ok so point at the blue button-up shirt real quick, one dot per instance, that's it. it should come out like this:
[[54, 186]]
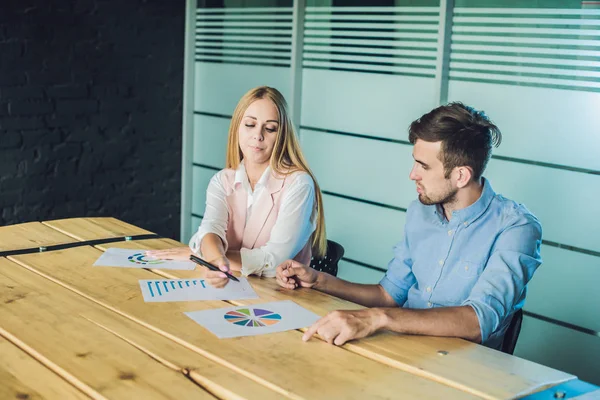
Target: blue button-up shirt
[[483, 257]]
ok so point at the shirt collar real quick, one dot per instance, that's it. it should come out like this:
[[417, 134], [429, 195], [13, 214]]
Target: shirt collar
[[469, 214], [241, 177]]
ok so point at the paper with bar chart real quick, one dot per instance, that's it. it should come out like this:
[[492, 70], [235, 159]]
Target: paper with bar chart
[[258, 319], [127, 258], [164, 290]]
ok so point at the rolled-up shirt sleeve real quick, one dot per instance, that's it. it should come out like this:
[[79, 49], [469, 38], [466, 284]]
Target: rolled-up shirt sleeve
[[292, 230], [502, 284], [216, 215], [399, 278]]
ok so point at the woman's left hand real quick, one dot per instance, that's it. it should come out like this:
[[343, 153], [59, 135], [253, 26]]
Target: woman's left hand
[[177, 253]]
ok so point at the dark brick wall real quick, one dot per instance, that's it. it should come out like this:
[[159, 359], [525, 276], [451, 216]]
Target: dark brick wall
[[90, 110]]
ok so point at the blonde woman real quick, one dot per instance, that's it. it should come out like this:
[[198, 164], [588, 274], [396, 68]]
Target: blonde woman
[[265, 206]]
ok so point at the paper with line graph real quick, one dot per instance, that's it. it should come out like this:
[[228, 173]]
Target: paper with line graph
[[162, 290], [127, 258], [257, 319]]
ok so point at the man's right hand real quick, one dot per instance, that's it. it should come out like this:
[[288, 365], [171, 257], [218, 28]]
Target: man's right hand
[[291, 275]]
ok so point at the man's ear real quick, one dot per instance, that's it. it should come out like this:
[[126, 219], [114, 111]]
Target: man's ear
[[464, 175]]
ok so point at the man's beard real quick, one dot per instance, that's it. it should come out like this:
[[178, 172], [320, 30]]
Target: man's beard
[[448, 196]]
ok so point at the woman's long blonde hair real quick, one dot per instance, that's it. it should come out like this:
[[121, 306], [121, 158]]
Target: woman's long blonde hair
[[287, 156]]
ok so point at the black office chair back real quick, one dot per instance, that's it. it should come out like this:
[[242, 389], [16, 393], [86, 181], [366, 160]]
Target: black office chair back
[[512, 333], [329, 263]]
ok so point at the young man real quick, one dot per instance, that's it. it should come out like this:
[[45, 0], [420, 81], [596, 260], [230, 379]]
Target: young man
[[467, 254]]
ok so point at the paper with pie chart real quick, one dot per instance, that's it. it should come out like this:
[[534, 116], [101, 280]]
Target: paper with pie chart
[[257, 319], [128, 258]]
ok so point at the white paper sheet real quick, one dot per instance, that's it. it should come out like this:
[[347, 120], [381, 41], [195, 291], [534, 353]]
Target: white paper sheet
[[258, 319], [127, 258], [163, 290]]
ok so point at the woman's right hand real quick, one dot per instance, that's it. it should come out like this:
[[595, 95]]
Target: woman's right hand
[[214, 278]]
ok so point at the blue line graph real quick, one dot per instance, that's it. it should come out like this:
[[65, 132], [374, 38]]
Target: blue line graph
[[154, 287]]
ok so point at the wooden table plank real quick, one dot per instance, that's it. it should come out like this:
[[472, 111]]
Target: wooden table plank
[[84, 229], [52, 320], [23, 377], [280, 361], [30, 235], [210, 375]]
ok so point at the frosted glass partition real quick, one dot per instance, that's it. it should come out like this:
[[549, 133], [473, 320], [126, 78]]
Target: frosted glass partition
[[363, 73]]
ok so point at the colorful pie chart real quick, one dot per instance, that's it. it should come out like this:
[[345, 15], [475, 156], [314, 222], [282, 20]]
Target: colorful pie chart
[[139, 258], [252, 317]]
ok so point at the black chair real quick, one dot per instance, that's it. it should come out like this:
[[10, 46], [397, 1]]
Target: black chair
[[329, 263], [512, 333]]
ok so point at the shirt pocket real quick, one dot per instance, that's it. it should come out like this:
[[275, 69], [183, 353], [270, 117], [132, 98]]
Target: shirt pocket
[[456, 286], [467, 269]]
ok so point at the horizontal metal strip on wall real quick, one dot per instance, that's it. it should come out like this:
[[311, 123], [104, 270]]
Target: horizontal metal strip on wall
[[264, 18], [542, 42], [380, 27], [243, 39], [265, 55], [411, 46], [245, 24], [524, 80], [562, 323], [500, 81], [242, 10], [526, 21], [210, 114], [395, 34], [476, 52], [525, 11], [226, 48], [490, 30], [527, 60], [245, 31], [525, 30], [580, 73], [371, 52], [372, 69], [370, 18], [371, 42], [241, 61], [376, 59], [242, 45], [365, 265], [369, 10], [195, 164], [373, 203]]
